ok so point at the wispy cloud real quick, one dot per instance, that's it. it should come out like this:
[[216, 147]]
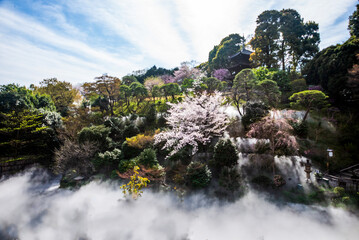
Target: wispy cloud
[[33, 52], [77, 40]]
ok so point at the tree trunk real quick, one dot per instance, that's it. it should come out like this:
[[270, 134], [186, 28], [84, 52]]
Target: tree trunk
[[306, 115], [283, 56]]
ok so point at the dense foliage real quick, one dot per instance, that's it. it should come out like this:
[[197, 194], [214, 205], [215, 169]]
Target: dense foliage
[[177, 127], [282, 38]]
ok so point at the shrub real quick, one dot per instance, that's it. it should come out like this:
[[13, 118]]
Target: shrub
[[151, 117], [97, 134], [183, 156], [198, 175], [253, 113], [300, 128], [148, 158], [141, 141], [125, 165], [339, 191], [262, 147], [262, 181], [130, 130], [133, 117], [298, 85], [74, 156], [229, 179], [225, 154], [128, 151], [109, 158], [135, 185]]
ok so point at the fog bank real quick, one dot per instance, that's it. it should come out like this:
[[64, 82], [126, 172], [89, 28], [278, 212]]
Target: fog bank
[[32, 207]]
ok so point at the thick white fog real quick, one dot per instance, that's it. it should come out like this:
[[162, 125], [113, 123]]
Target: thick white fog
[[31, 207]]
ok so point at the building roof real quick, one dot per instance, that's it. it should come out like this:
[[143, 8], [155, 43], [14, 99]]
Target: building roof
[[243, 52]]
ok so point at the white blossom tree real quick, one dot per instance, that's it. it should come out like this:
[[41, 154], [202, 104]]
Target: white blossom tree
[[186, 72], [194, 121]]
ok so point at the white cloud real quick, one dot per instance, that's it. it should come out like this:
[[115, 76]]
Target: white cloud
[[147, 25], [142, 32], [31, 50]]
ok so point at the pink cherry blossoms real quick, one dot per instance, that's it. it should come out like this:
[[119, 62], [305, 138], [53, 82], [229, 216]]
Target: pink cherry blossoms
[[277, 131], [186, 72], [193, 121], [221, 74]]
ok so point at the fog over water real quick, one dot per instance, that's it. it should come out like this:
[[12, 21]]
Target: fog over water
[[32, 207]]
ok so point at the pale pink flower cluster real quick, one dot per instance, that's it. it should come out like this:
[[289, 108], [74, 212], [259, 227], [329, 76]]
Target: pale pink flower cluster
[[221, 74], [193, 121], [186, 72], [277, 131]]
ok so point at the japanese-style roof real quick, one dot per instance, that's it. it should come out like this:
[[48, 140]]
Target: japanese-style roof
[[243, 52]]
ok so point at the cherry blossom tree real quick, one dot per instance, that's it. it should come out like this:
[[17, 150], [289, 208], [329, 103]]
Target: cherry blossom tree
[[186, 72], [150, 82], [192, 122], [167, 78], [221, 74], [277, 131]]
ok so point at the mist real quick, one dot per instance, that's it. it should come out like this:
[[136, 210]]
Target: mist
[[32, 207]]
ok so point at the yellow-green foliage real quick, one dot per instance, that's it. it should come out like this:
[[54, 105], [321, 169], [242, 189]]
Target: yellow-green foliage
[[141, 141], [135, 184]]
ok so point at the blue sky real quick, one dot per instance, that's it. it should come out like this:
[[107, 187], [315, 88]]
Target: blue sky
[[77, 40]]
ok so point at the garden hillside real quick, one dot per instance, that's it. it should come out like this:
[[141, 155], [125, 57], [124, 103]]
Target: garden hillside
[[258, 113]]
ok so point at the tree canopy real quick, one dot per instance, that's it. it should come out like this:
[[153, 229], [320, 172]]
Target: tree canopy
[[282, 37], [353, 25], [309, 100], [62, 93], [218, 56]]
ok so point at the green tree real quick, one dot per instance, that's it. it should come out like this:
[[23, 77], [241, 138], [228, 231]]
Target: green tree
[[156, 91], [96, 134], [329, 69], [299, 40], [243, 88], [148, 158], [151, 82], [170, 89], [108, 160], [254, 112], [268, 92], [225, 154], [265, 40], [218, 56], [282, 36], [298, 85], [62, 93], [16, 98], [353, 25], [309, 100], [125, 95], [128, 80], [105, 86], [187, 85], [212, 83], [26, 132], [198, 175], [139, 91]]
